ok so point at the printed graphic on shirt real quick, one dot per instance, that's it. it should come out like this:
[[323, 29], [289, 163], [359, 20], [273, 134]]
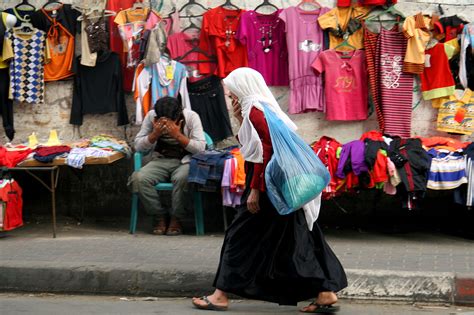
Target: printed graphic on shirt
[[345, 84], [391, 70], [58, 48], [309, 46], [456, 117]]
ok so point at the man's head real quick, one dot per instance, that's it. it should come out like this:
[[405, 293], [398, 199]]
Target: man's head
[[169, 107]]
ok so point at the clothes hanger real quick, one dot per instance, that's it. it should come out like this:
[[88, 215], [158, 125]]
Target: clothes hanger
[[192, 25], [266, 3], [57, 5], [210, 58], [345, 43], [314, 3], [23, 4], [25, 28], [390, 10], [191, 3], [229, 4], [100, 13]]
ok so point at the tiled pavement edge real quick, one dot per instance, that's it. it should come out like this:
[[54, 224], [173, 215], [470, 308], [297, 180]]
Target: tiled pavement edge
[[413, 267]]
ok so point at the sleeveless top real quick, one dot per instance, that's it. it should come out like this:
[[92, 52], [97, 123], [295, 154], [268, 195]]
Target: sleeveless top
[[97, 35]]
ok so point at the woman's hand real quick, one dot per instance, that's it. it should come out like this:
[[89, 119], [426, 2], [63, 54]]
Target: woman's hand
[[253, 201], [237, 109]]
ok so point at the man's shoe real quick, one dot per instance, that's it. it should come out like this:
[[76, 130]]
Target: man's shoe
[[160, 227], [174, 227]]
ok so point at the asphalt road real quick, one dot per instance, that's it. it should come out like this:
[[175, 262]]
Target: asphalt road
[[84, 305]]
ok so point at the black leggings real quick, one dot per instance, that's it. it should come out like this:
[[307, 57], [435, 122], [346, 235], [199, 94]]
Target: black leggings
[[6, 104]]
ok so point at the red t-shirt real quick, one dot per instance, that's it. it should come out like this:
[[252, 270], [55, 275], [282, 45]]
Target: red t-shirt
[[230, 53]]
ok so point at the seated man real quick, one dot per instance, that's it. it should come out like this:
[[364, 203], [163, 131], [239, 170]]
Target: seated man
[[171, 134]]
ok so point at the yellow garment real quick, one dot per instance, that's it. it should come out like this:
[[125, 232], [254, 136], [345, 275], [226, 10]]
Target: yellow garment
[[131, 15], [7, 52], [456, 113], [416, 30], [341, 16]]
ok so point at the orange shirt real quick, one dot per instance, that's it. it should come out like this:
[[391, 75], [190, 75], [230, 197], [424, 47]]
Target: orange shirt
[[60, 44], [216, 40]]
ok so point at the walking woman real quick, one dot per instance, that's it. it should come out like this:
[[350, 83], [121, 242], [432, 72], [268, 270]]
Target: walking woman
[[267, 256]]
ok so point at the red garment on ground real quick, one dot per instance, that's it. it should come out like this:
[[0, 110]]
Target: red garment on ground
[[11, 195], [326, 150], [12, 158], [260, 124], [372, 135], [45, 151]]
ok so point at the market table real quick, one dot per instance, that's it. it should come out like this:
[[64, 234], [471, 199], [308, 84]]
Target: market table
[[30, 166]]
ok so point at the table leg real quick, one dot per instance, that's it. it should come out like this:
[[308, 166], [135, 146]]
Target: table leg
[[53, 200]]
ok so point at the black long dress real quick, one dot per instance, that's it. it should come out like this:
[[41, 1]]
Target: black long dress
[[275, 258]]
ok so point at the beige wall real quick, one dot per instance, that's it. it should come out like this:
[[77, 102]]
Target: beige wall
[[55, 112]]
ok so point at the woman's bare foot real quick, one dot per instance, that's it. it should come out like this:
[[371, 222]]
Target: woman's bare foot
[[324, 298], [218, 298]]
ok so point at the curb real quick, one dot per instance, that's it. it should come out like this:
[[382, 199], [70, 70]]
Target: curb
[[437, 287]]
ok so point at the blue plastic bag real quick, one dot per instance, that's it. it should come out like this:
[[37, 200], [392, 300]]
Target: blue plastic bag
[[295, 175]]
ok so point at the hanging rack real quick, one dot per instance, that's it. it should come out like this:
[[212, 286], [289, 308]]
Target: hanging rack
[[27, 4], [314, 3], [228, 4], [50, 2], [266, 3]]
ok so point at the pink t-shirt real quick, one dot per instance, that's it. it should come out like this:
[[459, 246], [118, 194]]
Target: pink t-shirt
[[264, 36], [345, 84]]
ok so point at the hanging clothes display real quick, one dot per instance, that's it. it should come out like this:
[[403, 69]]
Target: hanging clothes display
[[344, 20], [417, 30], [180, 46], [155, 43], [346, 88], [98, 90], [142, 92], [27, 66], [6, 54], [436, 79], [208, 100], [455, 114], [131, 26], [168, 78], [304, 39], [219, 26], [264, 37], [116, 42], [60, 27], [395, 86], [466, 60], [371, 53]]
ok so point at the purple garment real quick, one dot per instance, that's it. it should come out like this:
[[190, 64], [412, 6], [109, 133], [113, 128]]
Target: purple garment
[[305, 42], [254, 32], [355, 150], [229, 198]]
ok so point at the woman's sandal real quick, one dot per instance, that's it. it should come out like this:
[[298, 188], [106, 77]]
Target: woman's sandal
[[209, 305], [322, 309]]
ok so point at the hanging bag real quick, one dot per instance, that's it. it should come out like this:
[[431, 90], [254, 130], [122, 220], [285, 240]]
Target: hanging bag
[[295, 176]]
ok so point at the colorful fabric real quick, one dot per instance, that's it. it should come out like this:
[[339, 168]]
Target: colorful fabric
[[416, 30], [304, 39], [436, 79], [395, 87], [448, 170], [11, 205], [27, 66], [264, 37], [456, 113], [164, 85], [345, 84]]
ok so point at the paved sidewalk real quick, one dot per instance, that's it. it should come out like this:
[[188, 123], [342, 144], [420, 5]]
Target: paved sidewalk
[[94, 258]]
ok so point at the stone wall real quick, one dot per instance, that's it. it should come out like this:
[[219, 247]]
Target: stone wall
[[104, 188]]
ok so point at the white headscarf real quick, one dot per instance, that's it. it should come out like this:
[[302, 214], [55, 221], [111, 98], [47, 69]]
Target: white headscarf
[[250, 87]]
